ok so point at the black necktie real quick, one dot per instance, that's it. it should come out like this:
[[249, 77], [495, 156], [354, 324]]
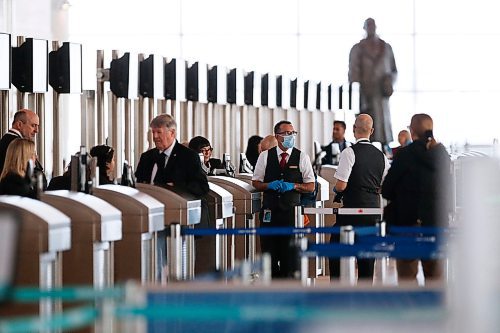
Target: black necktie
[[160, 172]]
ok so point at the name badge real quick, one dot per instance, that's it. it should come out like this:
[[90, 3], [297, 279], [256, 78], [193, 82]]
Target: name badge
[[267, 216], [293, 166]]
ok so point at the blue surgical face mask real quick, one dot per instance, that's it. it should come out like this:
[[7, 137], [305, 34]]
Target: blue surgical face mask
[[288, 141]]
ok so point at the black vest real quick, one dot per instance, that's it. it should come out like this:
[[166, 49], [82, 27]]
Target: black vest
[[292, 173], [363, 186]]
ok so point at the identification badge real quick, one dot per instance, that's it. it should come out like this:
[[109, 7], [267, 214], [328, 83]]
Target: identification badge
[[267, 216]]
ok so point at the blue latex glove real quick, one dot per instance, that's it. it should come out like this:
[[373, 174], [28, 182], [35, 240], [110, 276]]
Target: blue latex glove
[[275, 185], [286, 186]]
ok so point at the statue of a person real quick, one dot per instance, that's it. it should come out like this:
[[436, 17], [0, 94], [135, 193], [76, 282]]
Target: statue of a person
[[372, 64]]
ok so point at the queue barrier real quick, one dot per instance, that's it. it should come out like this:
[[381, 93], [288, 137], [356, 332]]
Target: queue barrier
[[347, 263]]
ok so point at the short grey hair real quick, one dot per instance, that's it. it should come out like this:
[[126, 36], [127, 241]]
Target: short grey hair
[[163, 120]]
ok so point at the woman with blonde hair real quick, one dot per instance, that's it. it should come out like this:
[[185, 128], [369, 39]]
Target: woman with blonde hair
[[12, 178]]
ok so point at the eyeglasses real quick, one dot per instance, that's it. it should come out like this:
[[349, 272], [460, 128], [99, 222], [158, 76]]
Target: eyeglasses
[[206, 150], [286, 133]]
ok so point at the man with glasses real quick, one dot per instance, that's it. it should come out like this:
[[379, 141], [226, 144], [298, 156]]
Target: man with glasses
[[357, 181], [25, 125], [282, 173]]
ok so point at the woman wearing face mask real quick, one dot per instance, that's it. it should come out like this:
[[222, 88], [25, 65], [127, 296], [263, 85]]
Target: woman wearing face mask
[[13, 177], [282, 173]]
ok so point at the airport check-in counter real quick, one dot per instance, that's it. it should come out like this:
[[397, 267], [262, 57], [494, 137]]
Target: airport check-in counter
[[136, 255], [247, 202], [95, 226], [246, 177], [44, 234], [211, 252], [182, 208]]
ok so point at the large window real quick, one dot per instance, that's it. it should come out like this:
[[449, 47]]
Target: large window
[[445, 50]]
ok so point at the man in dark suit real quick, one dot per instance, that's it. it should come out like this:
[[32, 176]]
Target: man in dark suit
[[418, 187], [338, 137], [171, 163], [25, 125]]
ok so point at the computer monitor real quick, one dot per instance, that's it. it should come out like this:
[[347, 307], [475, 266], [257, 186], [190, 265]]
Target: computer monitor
[[151, 77], [248, 87], [65, 68], [5, 61], [30, 66], [123, 76], [192, 83]]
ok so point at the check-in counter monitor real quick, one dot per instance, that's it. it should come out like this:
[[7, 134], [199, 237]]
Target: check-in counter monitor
[[220, 210], [142, 218], [247, 202], [180, 207], [44, 234], [95, 226]]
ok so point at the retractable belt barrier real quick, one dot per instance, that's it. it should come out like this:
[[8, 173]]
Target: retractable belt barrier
[[344, 211], [274, 231], [371, 242]]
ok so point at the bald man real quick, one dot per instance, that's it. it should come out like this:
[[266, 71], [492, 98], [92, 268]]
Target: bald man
[[25, 125], [418, 187], [268, 142], [358, 179]]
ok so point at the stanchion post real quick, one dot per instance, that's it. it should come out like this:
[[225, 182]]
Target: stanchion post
[[174, 252], [299, 219], [266, 268], [190, 253], [383, 262], [251, 240], [347, 265], [304, 262], [301, 271], [221, 247], [382, 228]]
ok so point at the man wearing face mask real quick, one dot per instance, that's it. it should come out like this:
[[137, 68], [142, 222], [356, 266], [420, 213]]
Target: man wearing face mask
[[358, 180], [282, 173]]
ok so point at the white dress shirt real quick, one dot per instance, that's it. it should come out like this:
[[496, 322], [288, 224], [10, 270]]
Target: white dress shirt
[[305, 165], [167, 152], [348, 158]]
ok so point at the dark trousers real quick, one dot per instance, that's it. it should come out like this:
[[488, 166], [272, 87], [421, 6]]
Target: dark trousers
[[281, 248], [365, 266]]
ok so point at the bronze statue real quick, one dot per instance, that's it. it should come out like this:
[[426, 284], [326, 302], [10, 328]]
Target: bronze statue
[[372, 64]]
